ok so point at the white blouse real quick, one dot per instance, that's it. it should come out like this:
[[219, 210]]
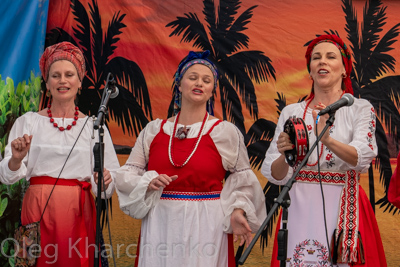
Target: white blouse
[[50, 148], [353, 125]]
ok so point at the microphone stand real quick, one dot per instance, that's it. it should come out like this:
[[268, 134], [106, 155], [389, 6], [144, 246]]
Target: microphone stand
[[284, 201], [98, 151]]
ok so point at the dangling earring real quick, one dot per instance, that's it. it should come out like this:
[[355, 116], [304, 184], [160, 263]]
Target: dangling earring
[[79, 90], [48, 93], [209, 108]]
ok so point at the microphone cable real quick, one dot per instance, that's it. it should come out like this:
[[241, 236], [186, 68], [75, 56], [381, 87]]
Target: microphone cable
[[108, 224], [322, 193]]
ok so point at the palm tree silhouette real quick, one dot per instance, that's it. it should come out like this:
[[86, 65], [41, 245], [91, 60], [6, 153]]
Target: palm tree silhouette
[[371, 81], [236, 69], [260, 136], [131, 108], [225, 41]]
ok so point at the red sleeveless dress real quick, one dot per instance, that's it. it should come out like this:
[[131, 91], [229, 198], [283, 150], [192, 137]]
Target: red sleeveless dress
[[201, 179]]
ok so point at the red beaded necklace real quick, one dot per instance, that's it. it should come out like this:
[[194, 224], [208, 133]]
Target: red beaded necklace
[[55, 123], [322, 145], [171, 142]]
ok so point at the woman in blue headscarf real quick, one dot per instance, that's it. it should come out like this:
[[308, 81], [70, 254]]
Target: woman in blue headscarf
[[174, 179]]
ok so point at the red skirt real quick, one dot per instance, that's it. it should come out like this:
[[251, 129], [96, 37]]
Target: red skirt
[[68, 225]]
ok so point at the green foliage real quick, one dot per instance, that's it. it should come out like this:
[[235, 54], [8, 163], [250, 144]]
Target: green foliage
[[14, 102]]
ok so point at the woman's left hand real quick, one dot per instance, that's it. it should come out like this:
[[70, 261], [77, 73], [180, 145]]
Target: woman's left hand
[[106, 176], [240, 227]]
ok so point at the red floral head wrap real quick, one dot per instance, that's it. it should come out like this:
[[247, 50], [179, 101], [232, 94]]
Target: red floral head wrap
[[346, 57], [62, 51]]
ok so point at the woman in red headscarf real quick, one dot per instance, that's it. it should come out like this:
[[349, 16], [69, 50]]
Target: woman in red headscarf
[[53, 150], [341, 211]]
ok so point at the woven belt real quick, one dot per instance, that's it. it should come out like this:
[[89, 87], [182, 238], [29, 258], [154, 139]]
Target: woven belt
[[190, 196]]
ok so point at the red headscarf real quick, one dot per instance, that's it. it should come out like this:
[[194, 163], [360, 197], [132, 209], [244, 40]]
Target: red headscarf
[[62, 51], [346, 57]]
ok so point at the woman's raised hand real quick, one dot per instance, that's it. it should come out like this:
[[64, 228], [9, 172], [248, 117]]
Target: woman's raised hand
[[19, 149]]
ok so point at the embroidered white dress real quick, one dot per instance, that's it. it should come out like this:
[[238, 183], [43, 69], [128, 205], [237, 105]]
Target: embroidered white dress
[[188, 226], [307, 242]]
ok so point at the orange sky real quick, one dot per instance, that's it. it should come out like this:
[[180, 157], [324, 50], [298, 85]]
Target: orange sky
[[277, 28]]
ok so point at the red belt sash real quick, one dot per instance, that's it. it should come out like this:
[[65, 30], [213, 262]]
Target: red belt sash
[[66, 182], [349, 208]]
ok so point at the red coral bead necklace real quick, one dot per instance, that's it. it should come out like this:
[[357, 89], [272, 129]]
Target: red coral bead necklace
[[304, 117], [55, 123], [322, 145]]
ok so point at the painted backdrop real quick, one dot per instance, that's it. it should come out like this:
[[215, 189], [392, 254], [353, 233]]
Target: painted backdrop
[[259, 49]]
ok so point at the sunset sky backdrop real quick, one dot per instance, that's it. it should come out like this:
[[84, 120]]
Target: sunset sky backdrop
[[278, 28]]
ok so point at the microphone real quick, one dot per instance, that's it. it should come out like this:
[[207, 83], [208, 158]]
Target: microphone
[[346, 100], [110, 91], [113, 87]]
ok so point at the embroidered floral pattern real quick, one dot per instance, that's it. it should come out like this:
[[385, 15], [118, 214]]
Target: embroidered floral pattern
[[310, 248], [331, 129], [372, 126], [299, 252], [323, 256], [330, 159]]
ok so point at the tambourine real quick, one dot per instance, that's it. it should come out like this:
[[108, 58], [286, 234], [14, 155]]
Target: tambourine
[[298, 134]]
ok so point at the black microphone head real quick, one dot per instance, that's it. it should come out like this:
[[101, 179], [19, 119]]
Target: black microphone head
[[350, 99]]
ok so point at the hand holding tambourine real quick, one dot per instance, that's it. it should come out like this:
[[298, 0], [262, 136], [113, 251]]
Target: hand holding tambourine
[[296, 129]]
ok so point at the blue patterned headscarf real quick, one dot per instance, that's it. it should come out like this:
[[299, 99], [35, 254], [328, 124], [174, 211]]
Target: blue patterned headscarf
[[192, 59]]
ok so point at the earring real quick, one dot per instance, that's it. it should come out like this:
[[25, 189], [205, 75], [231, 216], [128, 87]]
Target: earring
[[344, 75], [79, 90], [210, 107], [48, 93], [310, 77]]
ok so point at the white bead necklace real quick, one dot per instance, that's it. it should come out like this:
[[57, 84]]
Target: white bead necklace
[[195, 147]]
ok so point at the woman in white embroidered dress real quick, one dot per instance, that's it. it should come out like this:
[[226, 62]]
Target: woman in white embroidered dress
[[347, 149], [38, 147], [174, 180]]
